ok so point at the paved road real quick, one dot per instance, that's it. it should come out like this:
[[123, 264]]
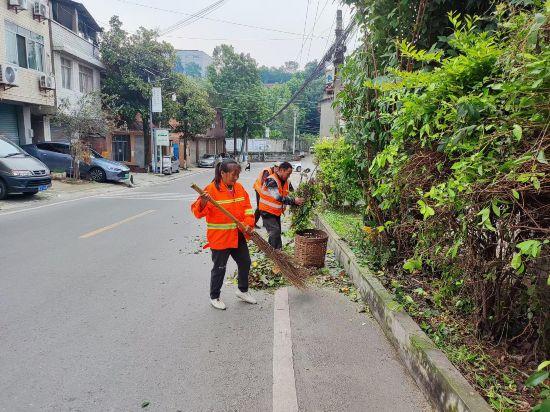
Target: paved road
[[104, 305]]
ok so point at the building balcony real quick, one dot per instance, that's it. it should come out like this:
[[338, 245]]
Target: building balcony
[[67, 41]]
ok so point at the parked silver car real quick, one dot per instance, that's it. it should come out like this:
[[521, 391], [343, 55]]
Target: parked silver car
[[57, 156], [207, 160]]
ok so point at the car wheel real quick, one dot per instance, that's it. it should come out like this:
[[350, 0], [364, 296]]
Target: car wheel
[[98, 175], [3, 190]]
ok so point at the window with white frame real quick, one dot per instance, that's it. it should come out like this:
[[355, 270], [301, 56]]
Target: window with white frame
[[24, 47], [86, 79], [66, 73]]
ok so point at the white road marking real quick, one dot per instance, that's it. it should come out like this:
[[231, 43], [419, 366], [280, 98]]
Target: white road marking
[[28, 209], [284, 384], [112, 226], [179, 199], [48, 205]]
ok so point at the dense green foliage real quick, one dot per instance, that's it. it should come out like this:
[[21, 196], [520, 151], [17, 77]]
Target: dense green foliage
[[446, 135], [137, 62], [190, 69], [236, 88], [337, 173]]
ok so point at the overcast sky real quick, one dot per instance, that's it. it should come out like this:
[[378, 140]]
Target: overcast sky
[[284, 18]]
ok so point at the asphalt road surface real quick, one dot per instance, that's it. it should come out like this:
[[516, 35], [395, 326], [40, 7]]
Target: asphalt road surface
[[104, 306]]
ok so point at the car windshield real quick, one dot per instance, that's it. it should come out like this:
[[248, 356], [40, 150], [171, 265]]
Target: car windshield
[[9, 149], [95, 154], [208, 156]]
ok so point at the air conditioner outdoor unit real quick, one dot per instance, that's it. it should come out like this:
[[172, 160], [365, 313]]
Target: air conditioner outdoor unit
[[47, 82], [19, 4], [40, 10], [8, 75]]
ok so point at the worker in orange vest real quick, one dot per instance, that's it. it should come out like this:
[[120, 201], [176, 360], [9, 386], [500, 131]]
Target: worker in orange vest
[[264, 174], [224, 238], [274, 196]]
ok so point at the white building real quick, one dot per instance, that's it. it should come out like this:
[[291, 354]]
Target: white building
[[27, 97], [76, 59]]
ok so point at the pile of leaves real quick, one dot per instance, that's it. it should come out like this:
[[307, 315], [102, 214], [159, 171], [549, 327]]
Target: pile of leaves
[[262, 275]]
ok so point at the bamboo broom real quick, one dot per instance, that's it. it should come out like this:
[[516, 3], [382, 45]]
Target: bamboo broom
[[291, 270]]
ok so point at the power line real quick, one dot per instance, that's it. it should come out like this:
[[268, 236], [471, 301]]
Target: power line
[[216, 20], [304, 33], [194, 17], [317, 17], [337, 43]]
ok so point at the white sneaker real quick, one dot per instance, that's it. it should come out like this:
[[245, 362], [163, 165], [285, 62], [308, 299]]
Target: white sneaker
[[218, 304], [246, 297]]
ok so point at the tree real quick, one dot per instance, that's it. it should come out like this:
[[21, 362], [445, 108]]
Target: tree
[[134, 63], [236, 88], [190, 69], [290, 67], [82, 118], [191, 110], [308, 101], [282, 127]]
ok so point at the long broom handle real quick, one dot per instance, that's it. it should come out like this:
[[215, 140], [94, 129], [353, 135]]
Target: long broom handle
[[222, 209]]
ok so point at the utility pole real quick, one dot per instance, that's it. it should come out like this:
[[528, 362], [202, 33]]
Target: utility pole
[[294, 134], [338, 60], [152, 138]]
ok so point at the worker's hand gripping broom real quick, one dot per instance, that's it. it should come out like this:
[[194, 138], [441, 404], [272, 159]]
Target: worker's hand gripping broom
[[293, 272]]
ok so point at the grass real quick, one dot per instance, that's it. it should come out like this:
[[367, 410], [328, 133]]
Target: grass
[[486, 365], [344, 224]]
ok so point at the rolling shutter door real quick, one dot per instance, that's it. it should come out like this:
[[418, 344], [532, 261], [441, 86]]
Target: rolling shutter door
[[8, 122]]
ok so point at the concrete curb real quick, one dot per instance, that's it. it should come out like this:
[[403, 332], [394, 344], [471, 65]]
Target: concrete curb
[[441, 382]]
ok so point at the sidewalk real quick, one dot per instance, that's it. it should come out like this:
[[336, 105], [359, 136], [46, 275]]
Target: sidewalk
[[65, 190]]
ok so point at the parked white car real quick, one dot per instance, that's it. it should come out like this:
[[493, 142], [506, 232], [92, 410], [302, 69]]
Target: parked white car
[[296, 166]]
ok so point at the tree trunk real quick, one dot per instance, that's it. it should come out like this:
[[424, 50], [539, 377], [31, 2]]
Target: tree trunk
[[235, 141], [146, 143]]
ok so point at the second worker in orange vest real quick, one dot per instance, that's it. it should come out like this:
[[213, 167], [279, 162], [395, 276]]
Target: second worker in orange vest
[[264, 174], [273, 199]]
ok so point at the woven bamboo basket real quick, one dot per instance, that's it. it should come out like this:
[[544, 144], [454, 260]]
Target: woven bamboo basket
[[311, 247]]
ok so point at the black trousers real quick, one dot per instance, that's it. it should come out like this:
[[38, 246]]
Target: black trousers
[[241, 256], [257, 211], [272, 224]]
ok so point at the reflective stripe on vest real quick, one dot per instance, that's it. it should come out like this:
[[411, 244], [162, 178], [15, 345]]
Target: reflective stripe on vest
[[228, 201], [221, 226], [270, 204]]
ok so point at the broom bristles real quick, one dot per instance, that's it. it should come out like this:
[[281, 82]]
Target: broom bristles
[[290, 269]]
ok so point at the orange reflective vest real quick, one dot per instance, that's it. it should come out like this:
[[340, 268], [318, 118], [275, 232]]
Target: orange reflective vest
[[260, 180], [221, 232], [268, 203]]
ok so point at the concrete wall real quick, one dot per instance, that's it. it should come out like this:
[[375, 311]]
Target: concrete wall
[[327, 117], [28, 95], [65, 40], [68, 45], [28, 90]]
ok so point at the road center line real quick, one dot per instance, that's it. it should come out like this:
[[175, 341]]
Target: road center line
[[284, 384], [106, 228]]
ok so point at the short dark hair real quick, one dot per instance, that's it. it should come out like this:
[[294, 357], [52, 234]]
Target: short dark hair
[[285, 166]]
